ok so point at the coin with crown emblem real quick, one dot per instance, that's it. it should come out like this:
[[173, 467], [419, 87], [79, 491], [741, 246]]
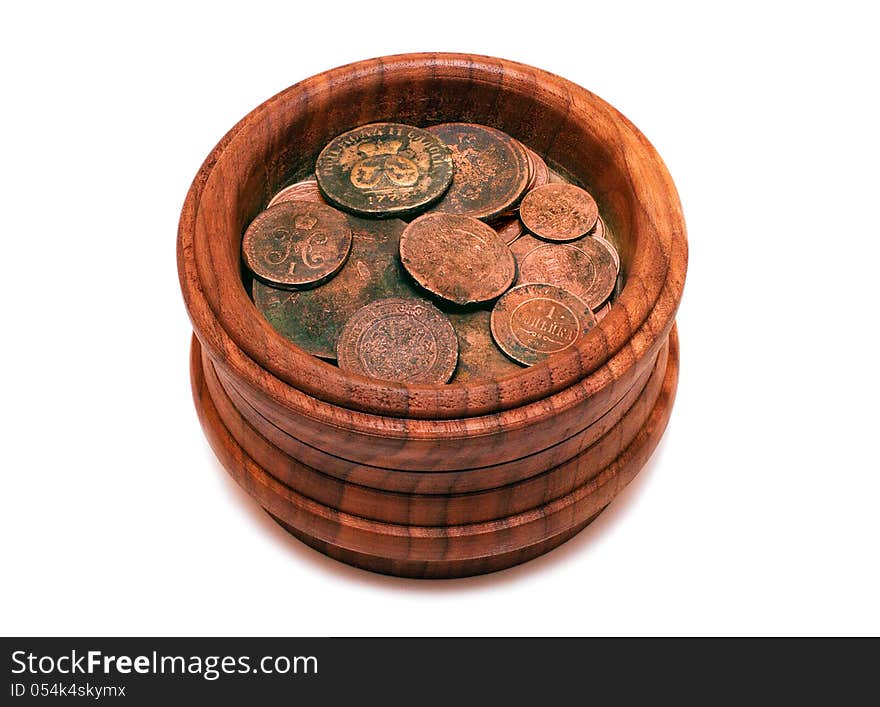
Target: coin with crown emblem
[[384, 169], [296, 244]]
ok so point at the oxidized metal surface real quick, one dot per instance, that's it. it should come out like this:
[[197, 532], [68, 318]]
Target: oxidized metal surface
[[384, 169], [602, 312], [540, 172], [559, 212], [532, 322], [508, 229], [396, 339], [587, 269], [296, 244], [457, 258], [524, 244], [479, 358], [609, 246], [491, 170], [599, 230], [306, 190], [312, 319]]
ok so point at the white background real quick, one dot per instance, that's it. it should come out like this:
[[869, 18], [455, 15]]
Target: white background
[[757, 514]]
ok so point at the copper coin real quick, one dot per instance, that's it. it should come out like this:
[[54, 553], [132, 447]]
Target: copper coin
[[491, 170], [396, 339], [384, 169], [479, 358], [306, 190], [587, 269], [599, 230], [611, 249], [534, 321], [559, 212], [540, 171], [457, 258], [509, 229], [312, 319], [524, 244], [602, 312], [556, 178], [296, 244]]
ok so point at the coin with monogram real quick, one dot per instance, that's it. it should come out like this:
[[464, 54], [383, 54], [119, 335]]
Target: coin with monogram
[[306, 190], [491, 170], [312, 319], [586, 269], [534, 321], [559, 212], [384, 169], [399, 339], [296, 244], [479, 358], [458, 258]]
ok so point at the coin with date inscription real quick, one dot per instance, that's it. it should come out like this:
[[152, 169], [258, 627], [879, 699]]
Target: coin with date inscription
[[398, 339], [559, 212], [534, 321], [296, 244], [384, 169], [491, 170], [458, 258]]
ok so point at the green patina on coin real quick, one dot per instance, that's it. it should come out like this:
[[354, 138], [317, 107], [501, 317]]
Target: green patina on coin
[[312, 319], [384, 169]]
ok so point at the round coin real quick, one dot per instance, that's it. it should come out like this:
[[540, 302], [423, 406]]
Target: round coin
[[384, 169], [479, 358], [509, 229], [540, 170], [396, 339], [312, 319], [587, 269], [611, 249], [457, 258], [534, 321], [491, 170], [306, 190], [296, 244], [599, 230], [559, 212]]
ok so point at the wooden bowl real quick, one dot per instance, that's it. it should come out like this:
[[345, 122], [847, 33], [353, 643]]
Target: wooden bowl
[[379, 451]]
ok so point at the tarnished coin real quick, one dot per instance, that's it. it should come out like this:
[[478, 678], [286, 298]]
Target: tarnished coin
[[532, 322], [491, 170], [396, 339], [559, 212], [556, 178], [296, 244], [611, 249], [306, 190], [586, 269], [599, 230], [509, 229], [602, 312], [540, 172], [384, 169], [479, 358], [524, 244], [457, 258], [312, 319]]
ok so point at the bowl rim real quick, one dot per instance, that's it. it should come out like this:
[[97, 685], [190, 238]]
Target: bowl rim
[[230, 327]]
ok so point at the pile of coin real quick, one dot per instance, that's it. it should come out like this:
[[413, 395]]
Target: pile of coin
[[450, 253]]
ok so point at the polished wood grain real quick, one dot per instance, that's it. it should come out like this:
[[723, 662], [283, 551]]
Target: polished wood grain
[[434, 480], [435, 509], [436, 551], [563, 122]]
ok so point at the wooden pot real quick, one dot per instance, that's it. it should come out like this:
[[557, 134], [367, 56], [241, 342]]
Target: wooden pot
[[432, 456]]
